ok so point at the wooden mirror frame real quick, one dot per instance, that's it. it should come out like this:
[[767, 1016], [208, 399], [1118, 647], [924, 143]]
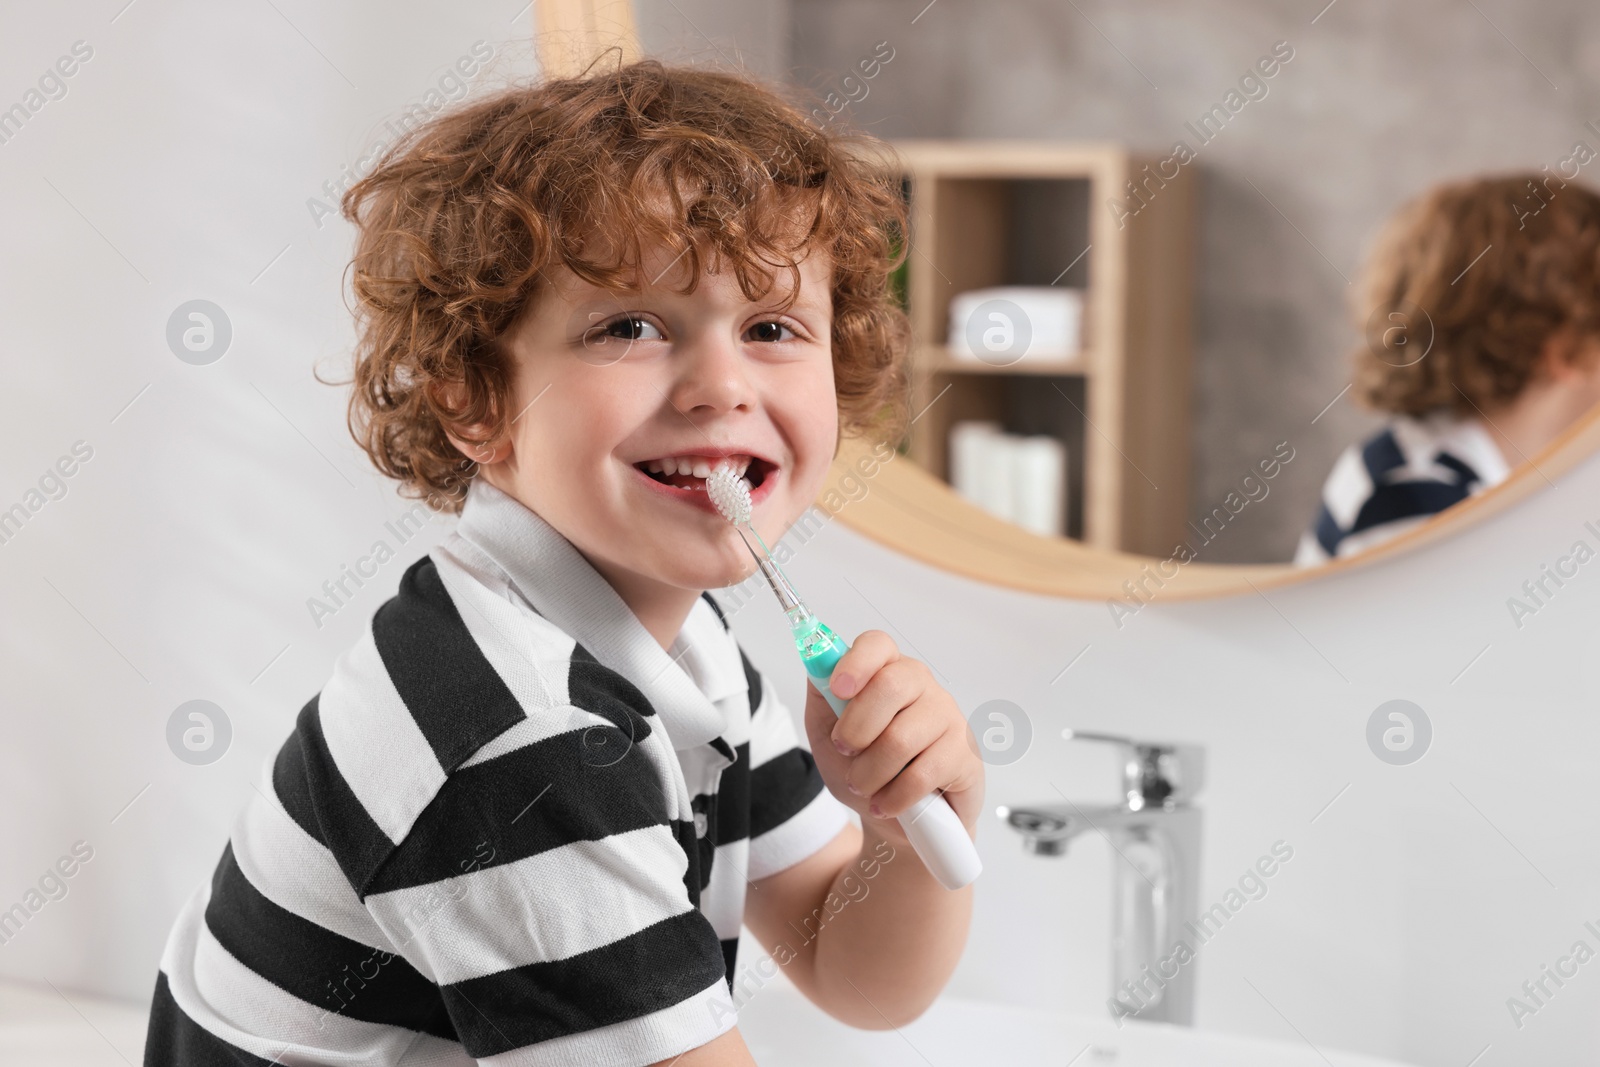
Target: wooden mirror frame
[[903, 507], [887, 498], [569, 34]]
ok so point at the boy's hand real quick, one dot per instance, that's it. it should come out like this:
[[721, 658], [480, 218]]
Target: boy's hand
[[900, 738]]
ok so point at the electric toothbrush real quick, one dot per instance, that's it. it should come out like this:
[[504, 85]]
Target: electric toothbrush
[[931, 824]]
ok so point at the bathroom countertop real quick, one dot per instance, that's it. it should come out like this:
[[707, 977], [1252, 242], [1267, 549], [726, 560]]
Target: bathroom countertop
[[42, 1026]]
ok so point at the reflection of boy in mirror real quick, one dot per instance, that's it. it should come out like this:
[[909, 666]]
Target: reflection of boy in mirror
[[1482, 305]]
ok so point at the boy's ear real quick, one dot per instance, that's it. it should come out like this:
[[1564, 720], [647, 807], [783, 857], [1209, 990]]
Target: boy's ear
[[483, 453], [1579, 360], [1554, 352], [476, 441]]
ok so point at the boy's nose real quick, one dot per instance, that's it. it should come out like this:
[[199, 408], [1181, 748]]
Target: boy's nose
[[713, 375]]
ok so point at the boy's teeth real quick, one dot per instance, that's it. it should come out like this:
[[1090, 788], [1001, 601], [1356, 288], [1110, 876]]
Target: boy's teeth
[[698, 466]]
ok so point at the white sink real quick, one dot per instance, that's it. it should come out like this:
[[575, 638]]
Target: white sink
[[783, 1029]]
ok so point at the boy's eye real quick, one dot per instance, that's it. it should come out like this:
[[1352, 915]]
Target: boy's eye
[[634, 328], [769, 331], [628, 328]]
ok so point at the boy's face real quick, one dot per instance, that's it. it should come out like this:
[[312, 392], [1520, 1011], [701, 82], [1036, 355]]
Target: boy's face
[[606, 385]]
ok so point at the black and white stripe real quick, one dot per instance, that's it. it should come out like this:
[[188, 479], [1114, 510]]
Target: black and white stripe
[[479, 844], [1397, 479]]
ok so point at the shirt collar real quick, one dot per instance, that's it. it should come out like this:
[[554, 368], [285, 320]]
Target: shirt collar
[[683, 687], [1468, 440]]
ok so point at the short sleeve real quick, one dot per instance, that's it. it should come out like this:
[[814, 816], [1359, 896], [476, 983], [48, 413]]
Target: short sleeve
[[792, 814], [543, 891]]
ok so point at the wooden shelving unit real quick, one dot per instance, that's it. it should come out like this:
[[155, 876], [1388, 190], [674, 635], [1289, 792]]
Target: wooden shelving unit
[[990, 213]]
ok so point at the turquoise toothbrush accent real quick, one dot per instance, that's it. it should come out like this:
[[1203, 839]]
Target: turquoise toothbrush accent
[[820, 651]]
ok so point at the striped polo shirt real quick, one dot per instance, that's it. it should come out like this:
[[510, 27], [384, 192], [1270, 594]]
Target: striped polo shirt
[[1398, 478], [510, 829]]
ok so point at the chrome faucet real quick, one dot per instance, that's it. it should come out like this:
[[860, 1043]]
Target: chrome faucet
[[1155, 833]]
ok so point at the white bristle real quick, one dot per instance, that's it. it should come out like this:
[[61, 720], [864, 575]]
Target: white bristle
[[730, 494]]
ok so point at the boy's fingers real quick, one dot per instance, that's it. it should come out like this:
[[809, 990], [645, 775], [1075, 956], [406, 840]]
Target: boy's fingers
[[898, 745], [872, 650], [933, 769], [820, 722], [820, 719], [894, 687]]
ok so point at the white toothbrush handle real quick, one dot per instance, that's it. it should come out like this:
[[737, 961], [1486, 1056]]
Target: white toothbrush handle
[[932, 826], [937, 833]]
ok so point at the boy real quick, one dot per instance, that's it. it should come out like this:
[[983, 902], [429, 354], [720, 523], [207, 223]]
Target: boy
[[525, 819], [1483, 344]]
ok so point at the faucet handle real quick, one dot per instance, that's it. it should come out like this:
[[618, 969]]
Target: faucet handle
[[1161, 774]]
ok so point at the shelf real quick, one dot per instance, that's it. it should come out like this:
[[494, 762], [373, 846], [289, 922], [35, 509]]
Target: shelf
[[1009, 158], [986, 214], [940, 363]]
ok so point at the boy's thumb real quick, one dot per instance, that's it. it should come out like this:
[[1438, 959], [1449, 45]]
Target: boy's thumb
[[819, 713]]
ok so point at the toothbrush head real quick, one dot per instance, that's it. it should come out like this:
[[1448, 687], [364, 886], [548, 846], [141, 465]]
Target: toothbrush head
[[730, 495]]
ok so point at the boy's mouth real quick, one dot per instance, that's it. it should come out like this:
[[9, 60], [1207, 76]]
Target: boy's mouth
[[689, 471]]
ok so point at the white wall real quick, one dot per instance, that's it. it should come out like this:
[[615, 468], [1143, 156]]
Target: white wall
[[218, 498], [178, 565]]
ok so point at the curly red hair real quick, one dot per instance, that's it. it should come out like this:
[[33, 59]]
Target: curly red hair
[[458, 219], [1497, 265]]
